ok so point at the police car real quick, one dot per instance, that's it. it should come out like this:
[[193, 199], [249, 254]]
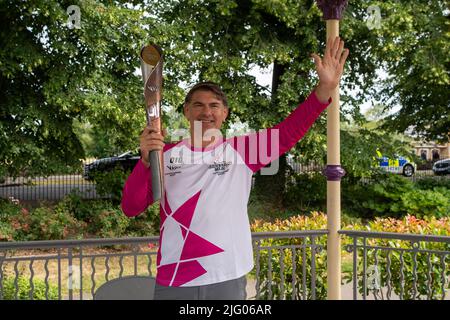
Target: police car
[[399, 165]]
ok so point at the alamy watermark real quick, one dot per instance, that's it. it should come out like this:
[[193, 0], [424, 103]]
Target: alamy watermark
[[374, 19], [256, 149], [74, 279], [373, 278], [74, 19]]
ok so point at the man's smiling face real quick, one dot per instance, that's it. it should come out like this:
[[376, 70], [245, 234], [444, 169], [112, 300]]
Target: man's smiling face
[[205, 107]]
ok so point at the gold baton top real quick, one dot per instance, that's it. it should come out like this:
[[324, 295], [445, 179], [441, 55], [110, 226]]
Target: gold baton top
[[151, 65]]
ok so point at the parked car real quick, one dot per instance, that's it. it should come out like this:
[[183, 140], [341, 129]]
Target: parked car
[[398, 165], [125, 161], [442, 167]]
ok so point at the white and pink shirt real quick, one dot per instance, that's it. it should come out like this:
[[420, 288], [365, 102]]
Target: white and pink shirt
[[205, 234]]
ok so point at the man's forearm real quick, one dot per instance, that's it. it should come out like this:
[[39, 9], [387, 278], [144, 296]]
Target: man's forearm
[[323, 94]]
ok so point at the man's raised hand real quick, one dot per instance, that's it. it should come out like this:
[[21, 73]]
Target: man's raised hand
[[330, 67]]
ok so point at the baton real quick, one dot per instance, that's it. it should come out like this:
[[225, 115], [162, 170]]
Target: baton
[[151, 66]]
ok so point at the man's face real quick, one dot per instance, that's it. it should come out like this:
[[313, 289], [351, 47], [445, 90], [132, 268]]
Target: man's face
[[206, 108]]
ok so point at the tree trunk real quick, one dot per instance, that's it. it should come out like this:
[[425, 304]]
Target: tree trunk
[[270, 188]]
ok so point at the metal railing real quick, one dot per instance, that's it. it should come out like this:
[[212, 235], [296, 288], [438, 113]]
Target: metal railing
[[70, 269], [399, 266], [288, 265], [51, 188], [74, 269]]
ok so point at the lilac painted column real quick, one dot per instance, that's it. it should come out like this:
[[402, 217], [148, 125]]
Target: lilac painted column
[[332, 12]]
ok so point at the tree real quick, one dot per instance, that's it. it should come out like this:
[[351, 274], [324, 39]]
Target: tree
[[413, 44], [221, 41], [55, 81], [52, 75]]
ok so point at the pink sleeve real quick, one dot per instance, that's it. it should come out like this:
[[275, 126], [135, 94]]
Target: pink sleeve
[[261, 148], [137, 192]]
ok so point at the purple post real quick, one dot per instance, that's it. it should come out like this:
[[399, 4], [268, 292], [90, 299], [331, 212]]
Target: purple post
[[332, 9], [333, 172]]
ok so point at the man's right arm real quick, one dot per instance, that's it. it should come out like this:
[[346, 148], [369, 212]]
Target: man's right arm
[[137, 193]]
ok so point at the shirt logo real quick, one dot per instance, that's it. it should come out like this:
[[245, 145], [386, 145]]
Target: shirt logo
[[220, 168], [172, 170], [172, 167], [178, 160]]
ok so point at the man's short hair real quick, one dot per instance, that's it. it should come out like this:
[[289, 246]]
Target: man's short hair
[[207, 86]]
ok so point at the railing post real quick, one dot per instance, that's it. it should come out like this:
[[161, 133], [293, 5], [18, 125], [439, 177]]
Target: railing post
[[71, 271], [332, 13]]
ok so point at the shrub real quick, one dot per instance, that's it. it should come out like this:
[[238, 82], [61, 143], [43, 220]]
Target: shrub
[[6, 231], [24, 289], [79, 208], [426, 203], [429, 183], [74, 217], [45, 224], [106, 219], [108, 223], [395, 196], [141, 226], [110, 184], [7, 210], [306, 192]]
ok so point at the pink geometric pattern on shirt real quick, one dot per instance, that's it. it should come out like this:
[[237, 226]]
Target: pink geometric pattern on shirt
[[166, 205], [186, 211], [183, 232], [188, 271], [165, 273], [194, 246], [166, 212], [158, 255]]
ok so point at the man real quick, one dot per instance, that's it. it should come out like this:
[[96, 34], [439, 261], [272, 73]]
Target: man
[[205, 247]]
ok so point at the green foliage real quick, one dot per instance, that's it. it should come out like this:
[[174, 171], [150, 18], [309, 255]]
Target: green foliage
[[413, 43], [69, 75], [427, 203], [44, 224], [106, 219], [142, 225], [429, 183], [108, 223], [110, 183], [102, 218], [83, 96], [77, 207], [359, 150], [24, 289], [394, 196], [74, 218], [306, 191], [152, 215]]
